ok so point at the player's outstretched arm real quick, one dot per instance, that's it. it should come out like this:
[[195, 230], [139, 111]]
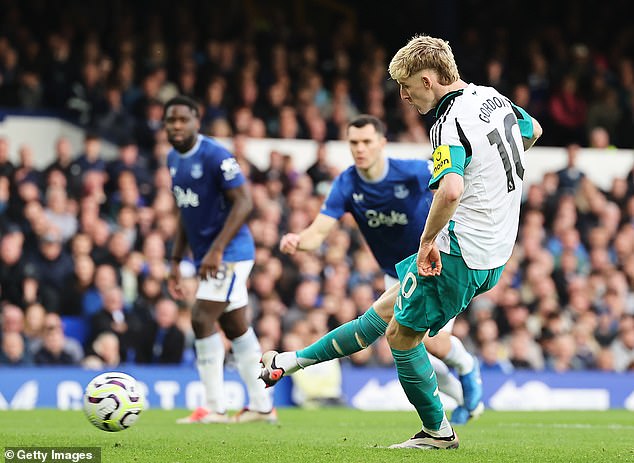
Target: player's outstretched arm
[[310, 238]]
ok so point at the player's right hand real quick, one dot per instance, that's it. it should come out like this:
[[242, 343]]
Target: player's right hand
[[174, 282], [289, 243], [428, 260]]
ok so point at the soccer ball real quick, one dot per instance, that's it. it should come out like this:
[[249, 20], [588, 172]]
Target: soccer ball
[[113, 401]]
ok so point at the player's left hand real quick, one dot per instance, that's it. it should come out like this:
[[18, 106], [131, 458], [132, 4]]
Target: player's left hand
[[210, 263], [428, 260]]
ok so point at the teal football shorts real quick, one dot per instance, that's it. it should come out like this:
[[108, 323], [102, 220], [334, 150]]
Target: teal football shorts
[[428, 303]]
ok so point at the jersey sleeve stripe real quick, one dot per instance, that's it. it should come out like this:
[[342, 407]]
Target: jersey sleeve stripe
[[441, 121], [465, 143], [524, 121]]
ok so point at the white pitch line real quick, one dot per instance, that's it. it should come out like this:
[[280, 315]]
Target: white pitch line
[[568, 425]]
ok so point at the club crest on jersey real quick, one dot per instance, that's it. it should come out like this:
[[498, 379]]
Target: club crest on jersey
[[357, 197], [197, 171], [442, 160], [400, 191], [172, 171]]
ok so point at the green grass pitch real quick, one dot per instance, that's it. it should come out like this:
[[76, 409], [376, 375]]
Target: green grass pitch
[[334, 435]]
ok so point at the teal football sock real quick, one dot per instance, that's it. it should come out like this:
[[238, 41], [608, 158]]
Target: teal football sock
[[419, 382], [345, 340]]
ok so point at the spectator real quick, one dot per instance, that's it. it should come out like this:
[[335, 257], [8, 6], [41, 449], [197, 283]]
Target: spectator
[[106, 353], [574, 242], [87, 95], [34, 321], [26, 171], [570, 177], [147, 128], [491, 358], [524, 352], [13, 268], [599, 138], [6, 166], [58, 212], [55, 348], [89, 159], [130, 273], [129, 161], [151, 291], [568, 111], [112, 317], [563, 354], [162, 341], [5, 198], [77, 286], [240, 152], [12, 320], [623, 347], [52, 265], [114, 122], [14, 352], [604, 111], [63, 160], [320, 172], [605, 360]]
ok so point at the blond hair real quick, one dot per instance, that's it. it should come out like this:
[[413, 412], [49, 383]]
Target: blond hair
[[425, 52]]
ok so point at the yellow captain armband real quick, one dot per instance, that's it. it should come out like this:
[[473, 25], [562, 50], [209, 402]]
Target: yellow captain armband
[[442, 160]]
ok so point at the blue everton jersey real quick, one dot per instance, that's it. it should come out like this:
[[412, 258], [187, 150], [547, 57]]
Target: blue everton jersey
[[199, 179], [391, 212]]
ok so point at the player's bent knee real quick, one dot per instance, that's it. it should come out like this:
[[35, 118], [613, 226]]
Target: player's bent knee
[[384, 306], [391, 333], [234, 330], [202, 328], [385, 311], [401, 337]]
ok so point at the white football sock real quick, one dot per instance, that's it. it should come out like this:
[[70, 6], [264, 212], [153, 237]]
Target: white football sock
[[459, 358], [445, 429], [247, 353], [447, 383], [290, 363], [210, 359]]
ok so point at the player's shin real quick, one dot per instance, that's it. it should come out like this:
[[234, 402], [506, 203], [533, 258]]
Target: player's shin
[[418, 379], [345, 340], [247, 352], [210, 356]]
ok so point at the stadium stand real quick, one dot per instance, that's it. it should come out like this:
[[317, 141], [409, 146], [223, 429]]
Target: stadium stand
[[88, 222]]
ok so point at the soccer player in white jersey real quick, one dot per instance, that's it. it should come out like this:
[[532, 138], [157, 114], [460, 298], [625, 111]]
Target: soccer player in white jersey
[[213, 201], [389, 199], [479, 139]]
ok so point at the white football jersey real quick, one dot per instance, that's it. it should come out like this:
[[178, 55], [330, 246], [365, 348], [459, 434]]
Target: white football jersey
[[478, 134]]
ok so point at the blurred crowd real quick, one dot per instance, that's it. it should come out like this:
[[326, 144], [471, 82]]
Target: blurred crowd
[[270, 69], [84, 241], [83, 266]]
